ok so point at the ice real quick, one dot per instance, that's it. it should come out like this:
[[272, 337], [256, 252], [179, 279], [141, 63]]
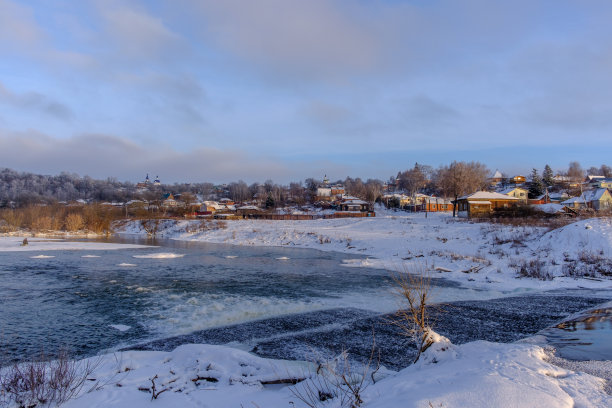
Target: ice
[[161, 255], [90, 256], [120, 327], [42, 256], [126, 264], [13, 244]]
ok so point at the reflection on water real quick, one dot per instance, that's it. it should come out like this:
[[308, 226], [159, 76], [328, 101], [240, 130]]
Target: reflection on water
[[584, 337]]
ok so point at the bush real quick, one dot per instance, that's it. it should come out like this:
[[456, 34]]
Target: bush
[[533, 269], [74, 222], [43, 383], [413, 289]]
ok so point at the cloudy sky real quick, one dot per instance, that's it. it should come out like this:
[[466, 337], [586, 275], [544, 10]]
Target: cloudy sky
[[220, 90]]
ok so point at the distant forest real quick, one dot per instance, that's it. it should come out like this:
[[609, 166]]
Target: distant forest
[[19, 189]]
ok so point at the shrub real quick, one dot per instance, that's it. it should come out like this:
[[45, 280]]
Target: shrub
[[74, 222], [44, 383], [413, 289], [533, 269]]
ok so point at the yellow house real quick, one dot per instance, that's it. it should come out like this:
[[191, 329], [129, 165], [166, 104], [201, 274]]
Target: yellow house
[[516, 192]]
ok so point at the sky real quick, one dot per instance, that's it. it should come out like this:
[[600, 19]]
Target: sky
[[208, 90]]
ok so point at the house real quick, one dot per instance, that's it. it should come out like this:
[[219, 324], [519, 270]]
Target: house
[[247, 210], [396, 200], [483, 203], [496, 178], [226, 202], [576, 203], [518, 179], [558, 197], [602, 183], [599, 199], [437, 204], [349, 203], [169, 201], [516, 192]]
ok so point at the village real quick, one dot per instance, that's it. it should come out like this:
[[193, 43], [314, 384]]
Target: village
[[518, 195]]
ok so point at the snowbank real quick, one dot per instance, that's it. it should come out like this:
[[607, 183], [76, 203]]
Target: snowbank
[[594, 235], [14, 244], [479, 255], [478, 374]]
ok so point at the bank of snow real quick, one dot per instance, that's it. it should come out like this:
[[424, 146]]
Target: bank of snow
[[14, 244], [478, 374], [479, 255]]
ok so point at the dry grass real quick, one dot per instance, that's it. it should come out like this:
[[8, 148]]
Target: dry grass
[[44, 383], [338, 379]]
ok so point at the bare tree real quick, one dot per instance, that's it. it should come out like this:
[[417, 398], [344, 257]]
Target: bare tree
[[461, 178], [575, 172]]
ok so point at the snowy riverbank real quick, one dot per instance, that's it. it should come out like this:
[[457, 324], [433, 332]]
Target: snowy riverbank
[[479, 255], [478, 374]]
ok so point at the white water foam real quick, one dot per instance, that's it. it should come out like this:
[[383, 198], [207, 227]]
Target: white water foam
[[42, 256], [231, 256], [90, 256], [126, 264], [120, 327], [161, 255], [283, 258]]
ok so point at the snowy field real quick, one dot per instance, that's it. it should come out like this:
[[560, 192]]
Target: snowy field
[[479, 255]]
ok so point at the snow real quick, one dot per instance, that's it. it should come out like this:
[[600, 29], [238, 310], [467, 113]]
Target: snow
[[120, 327], [593, 235], [486, 195], [161, 255], [14, 244], [478, 374], [478, 255], [550, 208]]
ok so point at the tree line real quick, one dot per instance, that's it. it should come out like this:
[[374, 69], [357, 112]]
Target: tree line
[[451, 181]]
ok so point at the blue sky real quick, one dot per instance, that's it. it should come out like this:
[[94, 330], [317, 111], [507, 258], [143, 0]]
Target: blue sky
[[289, 89]]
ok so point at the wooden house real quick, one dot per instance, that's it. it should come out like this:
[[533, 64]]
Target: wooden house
[[483, 203], [600, 199], [349, 203]]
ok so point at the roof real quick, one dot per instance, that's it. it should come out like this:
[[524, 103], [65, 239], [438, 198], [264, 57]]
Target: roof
[[479, 202], [579, 200], [597, 194], [510, 189], [497, 175], [550, 208], [486, 195]]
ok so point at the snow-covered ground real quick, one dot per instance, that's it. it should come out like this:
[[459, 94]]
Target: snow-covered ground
[[14, 244], [478, 374], [479, 255]]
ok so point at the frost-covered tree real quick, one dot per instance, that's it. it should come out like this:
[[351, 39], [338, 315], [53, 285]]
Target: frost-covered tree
[[461, 178]]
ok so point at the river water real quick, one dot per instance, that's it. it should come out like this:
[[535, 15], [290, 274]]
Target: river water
[[273, 301]]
